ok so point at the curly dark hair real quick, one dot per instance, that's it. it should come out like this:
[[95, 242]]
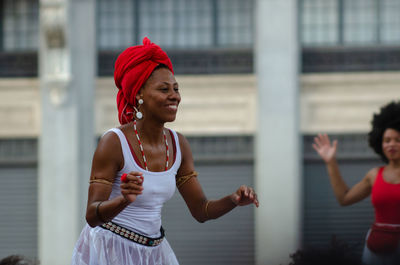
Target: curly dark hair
[[387, 118], [338, 253]]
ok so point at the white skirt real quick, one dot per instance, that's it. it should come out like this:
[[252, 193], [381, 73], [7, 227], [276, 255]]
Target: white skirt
[[97, 246]]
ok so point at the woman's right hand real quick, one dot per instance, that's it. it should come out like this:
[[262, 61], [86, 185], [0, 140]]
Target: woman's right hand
[[132, 186], [326, 150]]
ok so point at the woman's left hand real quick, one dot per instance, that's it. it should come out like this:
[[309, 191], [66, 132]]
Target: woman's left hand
[[244, 196]]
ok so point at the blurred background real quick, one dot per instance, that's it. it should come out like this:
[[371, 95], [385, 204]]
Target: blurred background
[[347, 60]]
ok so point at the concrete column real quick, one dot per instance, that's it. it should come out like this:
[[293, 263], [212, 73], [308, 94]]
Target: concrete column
[[67, 73], [278, 168]]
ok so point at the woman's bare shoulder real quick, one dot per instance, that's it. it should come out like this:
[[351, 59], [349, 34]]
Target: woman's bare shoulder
[[109, 146], [109, 139], [371, 175]]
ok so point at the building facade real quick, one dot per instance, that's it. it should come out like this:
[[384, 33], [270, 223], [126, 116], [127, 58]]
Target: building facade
[[349, 67]]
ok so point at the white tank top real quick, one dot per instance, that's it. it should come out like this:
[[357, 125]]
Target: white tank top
[[144, 214]]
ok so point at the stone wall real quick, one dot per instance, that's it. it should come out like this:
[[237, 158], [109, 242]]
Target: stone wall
[[222, 104]]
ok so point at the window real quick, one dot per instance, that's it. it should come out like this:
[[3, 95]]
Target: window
[[187, 24], [360, 21], [320, 22], [390, 21], [193, 24], [177, 23], [114, 23], [235, 23], [20, 26], [350, 22]]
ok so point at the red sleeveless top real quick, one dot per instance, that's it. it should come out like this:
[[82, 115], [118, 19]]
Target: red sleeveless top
[[386, 200]]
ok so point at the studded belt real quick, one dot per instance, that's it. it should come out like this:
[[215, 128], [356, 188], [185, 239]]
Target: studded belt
[[133, 236]]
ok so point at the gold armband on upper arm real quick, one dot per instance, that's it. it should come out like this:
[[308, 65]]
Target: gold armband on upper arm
[[102, 181], [206, 209], [180, 180]]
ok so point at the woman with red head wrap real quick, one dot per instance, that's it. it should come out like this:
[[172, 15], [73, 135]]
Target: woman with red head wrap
[[132, 68], [137, 167]]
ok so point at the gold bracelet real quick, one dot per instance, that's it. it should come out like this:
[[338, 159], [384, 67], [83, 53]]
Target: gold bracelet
[[98, 213], [102, 181], [206, 209]]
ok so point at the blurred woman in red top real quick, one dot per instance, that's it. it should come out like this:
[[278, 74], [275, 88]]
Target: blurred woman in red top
[[383, 183]]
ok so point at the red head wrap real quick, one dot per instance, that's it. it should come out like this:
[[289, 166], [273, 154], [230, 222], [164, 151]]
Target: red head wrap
[[132, 68]]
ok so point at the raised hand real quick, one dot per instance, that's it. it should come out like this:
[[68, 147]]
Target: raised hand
[[131, 185], [244, 196], [326, 150]]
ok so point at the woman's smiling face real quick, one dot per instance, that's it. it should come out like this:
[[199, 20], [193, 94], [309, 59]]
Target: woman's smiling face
[[160, 95], [391, 144]]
